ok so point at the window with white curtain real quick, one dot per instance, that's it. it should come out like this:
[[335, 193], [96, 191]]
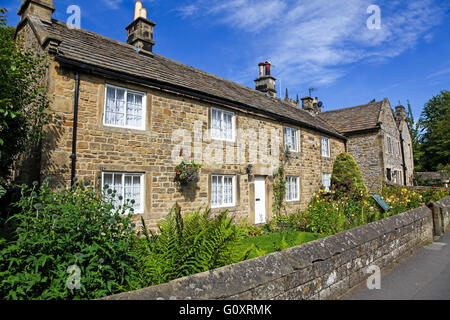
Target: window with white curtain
[[290, 139], [325, 144], [124, 108], [292, 189], [128, 186], [222, 191], [326, 181], [222, 125]]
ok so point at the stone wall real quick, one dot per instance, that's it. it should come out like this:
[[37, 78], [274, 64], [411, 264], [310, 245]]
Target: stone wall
[[408, 152], [175, 124], [444, 208], [392, 159], [323, 269], [367, 149]]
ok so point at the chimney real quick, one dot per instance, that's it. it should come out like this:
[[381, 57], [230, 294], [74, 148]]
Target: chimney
[[140, 31], [307, 104], [265, 83], [42, 9], [312, 105], [400, 113]]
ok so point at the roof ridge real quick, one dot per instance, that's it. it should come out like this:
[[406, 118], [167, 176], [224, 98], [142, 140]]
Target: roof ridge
[[346, 108]]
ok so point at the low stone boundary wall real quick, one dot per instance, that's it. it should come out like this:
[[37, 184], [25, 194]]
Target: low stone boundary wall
[[323, 269], [444, 206]]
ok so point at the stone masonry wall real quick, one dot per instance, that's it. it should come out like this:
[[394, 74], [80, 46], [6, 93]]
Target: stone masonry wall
[[367, 149], [445, 212], [169, 118], [393, 159], [408, 152], [323, 269]]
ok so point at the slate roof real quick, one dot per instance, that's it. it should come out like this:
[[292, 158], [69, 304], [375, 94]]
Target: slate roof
[[354, 119], [95, 50]]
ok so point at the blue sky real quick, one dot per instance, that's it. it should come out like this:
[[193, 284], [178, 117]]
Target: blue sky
[[323, 44]]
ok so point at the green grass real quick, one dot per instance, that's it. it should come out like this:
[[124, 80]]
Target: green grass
[[272, 242]]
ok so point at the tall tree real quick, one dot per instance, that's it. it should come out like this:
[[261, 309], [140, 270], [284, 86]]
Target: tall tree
[[435, 123], [22, 97]]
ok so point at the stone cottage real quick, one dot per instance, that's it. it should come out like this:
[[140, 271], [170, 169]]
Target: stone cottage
[[378, 139], [125, 116]]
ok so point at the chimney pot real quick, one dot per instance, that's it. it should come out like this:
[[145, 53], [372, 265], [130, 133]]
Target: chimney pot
[[137, 9], [144, 13], [267, 63], [261, 69]]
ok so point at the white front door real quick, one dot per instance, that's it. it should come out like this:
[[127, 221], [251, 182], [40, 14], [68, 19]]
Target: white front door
[[260, 200]]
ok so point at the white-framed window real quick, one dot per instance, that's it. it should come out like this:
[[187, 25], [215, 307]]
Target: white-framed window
[[223, 190], [222, 125], [325, 145], [292, 188], [128, 186], [389, 144], [326, 181], [124, 108], [290, 139]]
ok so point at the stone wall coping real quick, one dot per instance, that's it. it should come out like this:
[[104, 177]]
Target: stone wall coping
[[444, 202]]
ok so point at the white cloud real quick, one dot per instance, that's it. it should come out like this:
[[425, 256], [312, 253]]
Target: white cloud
[[113, 4], [313, 41]]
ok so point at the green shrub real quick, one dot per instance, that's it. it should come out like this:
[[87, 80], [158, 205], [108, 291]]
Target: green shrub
[[55, 230], [325, 217], [186, 245], [346, 177]]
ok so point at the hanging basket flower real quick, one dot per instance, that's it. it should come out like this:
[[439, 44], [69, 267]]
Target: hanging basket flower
[[187, 171]]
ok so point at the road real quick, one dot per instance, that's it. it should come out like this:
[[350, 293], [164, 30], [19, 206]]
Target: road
[[423, 276]]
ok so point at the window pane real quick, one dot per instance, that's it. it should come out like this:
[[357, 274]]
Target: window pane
[[134, 110], [228, 119], [228, 190], [132, 190], [288, 188], [219, 191], [215, 125]]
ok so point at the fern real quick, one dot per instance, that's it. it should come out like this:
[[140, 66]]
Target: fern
[[186, 245]]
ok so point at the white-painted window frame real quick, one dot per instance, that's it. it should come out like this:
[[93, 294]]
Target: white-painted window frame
[[233, 192], [289, 130], [127, 91], [289, 180], [142, 188], [233, 125], [328, 175], [322, 139]]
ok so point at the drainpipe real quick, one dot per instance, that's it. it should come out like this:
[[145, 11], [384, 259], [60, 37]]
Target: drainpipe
[[403, 159], [73, 156]]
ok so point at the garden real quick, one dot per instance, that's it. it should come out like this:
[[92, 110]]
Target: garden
[[74, 243]]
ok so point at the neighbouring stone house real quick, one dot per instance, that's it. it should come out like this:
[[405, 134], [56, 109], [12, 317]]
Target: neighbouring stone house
[[379, 141], [124, 115]]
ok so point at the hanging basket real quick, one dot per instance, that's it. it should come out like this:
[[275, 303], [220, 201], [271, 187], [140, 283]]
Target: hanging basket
[[187, 171]]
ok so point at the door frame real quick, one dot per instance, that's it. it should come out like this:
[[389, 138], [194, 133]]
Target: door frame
[[252, 197]]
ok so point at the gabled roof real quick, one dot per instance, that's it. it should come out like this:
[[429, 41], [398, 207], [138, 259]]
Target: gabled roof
[[91, 49], [354, 119]]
